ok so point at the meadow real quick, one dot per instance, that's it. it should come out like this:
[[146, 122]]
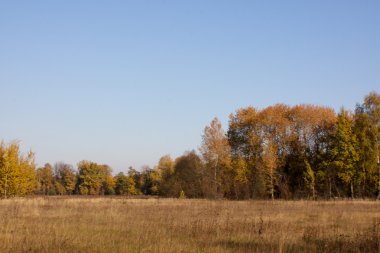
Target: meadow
[[100, 224]]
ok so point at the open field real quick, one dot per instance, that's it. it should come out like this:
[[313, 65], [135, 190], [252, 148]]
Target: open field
[[171, 225]]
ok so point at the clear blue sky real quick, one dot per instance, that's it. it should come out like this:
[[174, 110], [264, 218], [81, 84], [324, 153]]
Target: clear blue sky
[[125, 82]]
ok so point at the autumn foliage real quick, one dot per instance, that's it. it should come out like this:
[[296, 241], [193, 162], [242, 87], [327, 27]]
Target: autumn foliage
[[281, 151]]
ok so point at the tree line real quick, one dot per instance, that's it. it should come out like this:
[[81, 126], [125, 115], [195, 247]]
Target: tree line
[[281, 151]]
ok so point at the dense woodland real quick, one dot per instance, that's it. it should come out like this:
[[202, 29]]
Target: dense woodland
[[287, 152]]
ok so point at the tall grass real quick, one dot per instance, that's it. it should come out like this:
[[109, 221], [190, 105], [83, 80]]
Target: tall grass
[[171, 225]]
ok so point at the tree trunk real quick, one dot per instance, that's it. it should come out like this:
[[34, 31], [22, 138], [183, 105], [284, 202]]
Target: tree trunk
[[378, 194], [364, 188], [272, 193], [352, 190], [216, 190], [215, 183], [5, 186], [336, 189], [330, 194], [271, 187]]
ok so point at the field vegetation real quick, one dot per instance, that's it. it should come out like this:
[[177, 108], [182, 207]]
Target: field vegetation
[[116, 224]]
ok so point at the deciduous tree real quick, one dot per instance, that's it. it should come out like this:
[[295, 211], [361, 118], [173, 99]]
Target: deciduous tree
[[94, 179], [17, 172], [45, 178], [344, 150], [215, 152]]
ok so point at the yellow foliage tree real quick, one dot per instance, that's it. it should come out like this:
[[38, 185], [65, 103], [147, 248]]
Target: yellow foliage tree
[[215, 152], [17, 173]]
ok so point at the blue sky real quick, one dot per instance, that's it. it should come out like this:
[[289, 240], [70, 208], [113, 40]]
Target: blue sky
[[125, 82]]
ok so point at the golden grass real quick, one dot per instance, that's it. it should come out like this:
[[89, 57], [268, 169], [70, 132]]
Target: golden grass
[[170, 225]]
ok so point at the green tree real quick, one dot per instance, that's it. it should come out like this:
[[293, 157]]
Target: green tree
[[309, 178], [124, 185], [371, 106], [366, 131], [344, 150], [146, 181]]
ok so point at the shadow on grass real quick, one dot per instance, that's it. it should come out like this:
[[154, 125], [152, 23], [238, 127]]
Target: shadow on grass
[[246, 246], [367, 243], [356, 244]]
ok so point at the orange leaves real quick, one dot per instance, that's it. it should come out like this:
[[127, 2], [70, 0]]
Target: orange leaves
[[250, 128]]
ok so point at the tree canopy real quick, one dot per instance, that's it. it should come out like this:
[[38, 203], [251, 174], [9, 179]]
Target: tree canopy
[[281, 151]]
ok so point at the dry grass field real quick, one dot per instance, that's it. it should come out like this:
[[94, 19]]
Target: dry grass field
[[171, 225]]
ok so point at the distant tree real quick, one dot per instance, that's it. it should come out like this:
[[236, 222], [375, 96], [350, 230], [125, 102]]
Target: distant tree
[[366, 132], [65, 177], [309, 178], [45, 178], [301, 177], [135, 175], [94, 179], [310, 130], [344, 150], [164, 171], [150, 180], [270, 166], [17, 172], [59, 188], [146, 180], [371, 106], [156, 177], [108, 184], [124, 185], [241, 178], [215, 152], [188, 171], [121, 184], [300, 136], [245, 141]]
